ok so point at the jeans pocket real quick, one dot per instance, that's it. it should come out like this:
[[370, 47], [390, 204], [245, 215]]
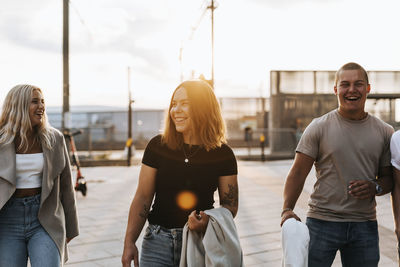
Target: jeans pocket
[[148, 234], [36, 200]]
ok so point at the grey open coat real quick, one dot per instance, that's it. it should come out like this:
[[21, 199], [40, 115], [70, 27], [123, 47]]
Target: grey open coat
[[57, 212]]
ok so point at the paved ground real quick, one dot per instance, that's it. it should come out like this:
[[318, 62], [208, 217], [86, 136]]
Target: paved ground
[[103, 215]]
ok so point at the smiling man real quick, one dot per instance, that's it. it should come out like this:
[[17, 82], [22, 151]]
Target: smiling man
[[350, 150]]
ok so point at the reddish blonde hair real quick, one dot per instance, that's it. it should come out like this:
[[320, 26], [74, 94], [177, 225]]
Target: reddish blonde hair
[[207, 125]]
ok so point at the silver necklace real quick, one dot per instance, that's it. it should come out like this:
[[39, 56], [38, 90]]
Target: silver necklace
[[187, 157]]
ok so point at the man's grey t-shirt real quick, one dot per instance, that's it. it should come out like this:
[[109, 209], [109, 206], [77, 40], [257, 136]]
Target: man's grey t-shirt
[[344, 150]]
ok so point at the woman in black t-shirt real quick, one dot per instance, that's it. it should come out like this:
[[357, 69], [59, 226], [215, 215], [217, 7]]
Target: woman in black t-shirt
[[181, 169]]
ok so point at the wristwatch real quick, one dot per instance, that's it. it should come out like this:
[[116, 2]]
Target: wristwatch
[[378, 188]]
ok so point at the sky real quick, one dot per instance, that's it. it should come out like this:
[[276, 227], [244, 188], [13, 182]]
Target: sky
[[251, 38]]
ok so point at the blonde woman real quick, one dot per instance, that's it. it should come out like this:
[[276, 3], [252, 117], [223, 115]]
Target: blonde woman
[[182, 168], [37, 199]]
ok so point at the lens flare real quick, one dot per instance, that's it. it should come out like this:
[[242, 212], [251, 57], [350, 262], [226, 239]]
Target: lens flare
[[186, 200]]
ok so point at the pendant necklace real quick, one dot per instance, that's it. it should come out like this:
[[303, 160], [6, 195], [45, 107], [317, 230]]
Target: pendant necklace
[[187, 157]]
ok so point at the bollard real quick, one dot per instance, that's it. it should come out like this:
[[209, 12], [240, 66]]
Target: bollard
[[248, 137], [262, 144], [129, 146]]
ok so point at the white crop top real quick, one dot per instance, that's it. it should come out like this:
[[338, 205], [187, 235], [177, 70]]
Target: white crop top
[[29, 170]]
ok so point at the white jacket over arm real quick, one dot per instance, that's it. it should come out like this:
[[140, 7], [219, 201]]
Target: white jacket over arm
[[219, 246]]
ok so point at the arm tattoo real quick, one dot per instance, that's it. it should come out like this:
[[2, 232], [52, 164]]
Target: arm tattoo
[[230, 198], [145, 212]]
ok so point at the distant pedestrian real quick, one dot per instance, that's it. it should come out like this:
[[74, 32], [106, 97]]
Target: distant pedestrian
[[182, 168], [37, 199], [351, 154]]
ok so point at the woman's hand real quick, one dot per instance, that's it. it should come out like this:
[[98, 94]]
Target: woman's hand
[[130, 254], [199, 222]]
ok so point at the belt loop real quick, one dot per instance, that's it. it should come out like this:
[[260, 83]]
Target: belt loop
[[37, 198], [157, 230]]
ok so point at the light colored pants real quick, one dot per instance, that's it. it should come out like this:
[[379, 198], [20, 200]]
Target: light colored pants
[[161, 247], [295, 242], [22, 236]]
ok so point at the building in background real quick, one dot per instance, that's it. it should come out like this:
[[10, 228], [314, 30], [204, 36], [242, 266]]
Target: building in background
[[106, 128], [241, 113], [296, 97]]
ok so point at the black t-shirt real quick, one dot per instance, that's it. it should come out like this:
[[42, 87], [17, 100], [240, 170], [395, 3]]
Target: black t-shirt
[[180, 184]]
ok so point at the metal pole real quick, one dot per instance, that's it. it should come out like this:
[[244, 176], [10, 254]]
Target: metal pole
[[180, 60], [65, 110], [212, 43], [129, 142]]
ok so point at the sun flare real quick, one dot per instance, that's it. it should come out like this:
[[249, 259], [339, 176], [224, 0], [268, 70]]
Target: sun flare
[[186, 200]]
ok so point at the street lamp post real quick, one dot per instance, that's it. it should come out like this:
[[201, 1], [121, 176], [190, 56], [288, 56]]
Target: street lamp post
[[130, 140], [212, 7], [65, 110], [180, 60]]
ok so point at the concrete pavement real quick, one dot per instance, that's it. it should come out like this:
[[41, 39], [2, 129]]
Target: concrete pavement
[[103, 215]]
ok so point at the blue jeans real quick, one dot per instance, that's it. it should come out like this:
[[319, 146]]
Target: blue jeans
[[358, 243], [161, 247], [22, 236]]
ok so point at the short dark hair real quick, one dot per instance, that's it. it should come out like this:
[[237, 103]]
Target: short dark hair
[[351, 66]]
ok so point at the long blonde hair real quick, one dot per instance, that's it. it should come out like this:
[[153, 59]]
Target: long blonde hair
[[207, 123], [15, 121]]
